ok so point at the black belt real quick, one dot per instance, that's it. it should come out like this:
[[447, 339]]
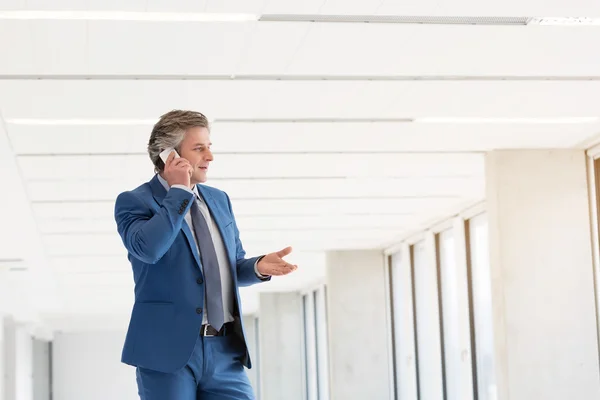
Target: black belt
[[207, 330]]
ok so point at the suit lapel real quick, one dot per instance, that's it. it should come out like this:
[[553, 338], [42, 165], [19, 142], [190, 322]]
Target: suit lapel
[[159, 192]]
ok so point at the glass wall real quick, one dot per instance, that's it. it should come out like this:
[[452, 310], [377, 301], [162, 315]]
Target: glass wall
[[594, 191], [482, 307], [403, 322], [451, 316], [316, 348], [441, 314], [429, 361], [322, 343], [455, 315]]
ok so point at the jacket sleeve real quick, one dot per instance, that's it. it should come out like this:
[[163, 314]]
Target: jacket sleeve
[[148, 236], [245, 266]]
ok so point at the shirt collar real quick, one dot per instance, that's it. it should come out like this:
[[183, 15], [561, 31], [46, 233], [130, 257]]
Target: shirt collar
[[166, 186]]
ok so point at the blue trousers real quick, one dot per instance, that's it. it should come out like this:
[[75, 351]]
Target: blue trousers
[[213, 372]]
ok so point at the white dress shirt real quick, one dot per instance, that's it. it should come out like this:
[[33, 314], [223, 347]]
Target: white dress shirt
[[224, 268]]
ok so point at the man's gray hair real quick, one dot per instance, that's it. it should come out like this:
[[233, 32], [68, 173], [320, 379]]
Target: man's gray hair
[[170, 130]]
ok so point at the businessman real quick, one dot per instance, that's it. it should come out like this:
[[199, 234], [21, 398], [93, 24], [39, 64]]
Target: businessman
[[186, 336]]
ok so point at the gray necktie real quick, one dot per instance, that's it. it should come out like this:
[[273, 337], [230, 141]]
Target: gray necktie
[[210, 266]]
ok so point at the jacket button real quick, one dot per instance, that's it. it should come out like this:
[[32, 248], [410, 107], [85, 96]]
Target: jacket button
[[198, 310], [199, 281]]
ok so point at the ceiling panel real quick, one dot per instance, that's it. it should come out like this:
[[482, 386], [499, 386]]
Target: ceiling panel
[[16, 59], [247, 137], [574, 8], [262, 166], [150, 99], [192, 6], [298, 100], [73, 36], [159, 48], [517, 8], [92, 5], [13, 5], [328, 49], [88, 189], [272, 48], [353, 7], [236, 6], [422, 50], [313, 207], [293, 7]]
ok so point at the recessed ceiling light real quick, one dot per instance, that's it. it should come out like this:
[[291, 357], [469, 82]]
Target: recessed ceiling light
[[475, 120], [564, 21], [396, 19], [127, 16]]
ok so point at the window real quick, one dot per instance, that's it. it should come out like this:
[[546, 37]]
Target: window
[[594, 190], [310, 348], [482, 307], [455, 316], [316, 345], [441, 312], [429, 356], [322, 343], [403, 322]]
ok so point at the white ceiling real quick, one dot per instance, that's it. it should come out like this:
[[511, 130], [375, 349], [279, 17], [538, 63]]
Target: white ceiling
[[326, 135]]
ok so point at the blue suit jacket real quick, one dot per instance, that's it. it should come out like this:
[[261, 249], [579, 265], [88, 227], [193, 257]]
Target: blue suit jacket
[[169, 290]]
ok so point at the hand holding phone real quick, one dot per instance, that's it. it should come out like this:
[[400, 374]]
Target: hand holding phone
[[177, 171]]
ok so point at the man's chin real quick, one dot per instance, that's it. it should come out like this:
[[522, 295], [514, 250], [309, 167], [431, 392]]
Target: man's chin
[[200, 179]]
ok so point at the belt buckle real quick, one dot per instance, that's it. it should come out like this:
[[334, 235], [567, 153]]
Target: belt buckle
[[206, 331]]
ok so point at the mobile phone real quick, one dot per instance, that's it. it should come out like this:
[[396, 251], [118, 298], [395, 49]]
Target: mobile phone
[[166, 152]]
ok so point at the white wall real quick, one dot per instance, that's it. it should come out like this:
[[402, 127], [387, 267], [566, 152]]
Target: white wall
[[544, 317], [2, 357], [87, 366], [18, 361], [280, 346], [358, 325]]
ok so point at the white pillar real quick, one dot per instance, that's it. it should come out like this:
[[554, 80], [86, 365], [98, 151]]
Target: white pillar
[[18, 365], [544, 321], [41, 370], [358, 325], [281, 346]]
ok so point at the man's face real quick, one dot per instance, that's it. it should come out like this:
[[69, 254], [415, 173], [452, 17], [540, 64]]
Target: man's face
[[196, 149]]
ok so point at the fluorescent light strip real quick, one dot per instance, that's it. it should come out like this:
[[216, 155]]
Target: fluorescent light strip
[[396, 19], [568, 21], [126, 16], [453, 120], [79, 122]]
